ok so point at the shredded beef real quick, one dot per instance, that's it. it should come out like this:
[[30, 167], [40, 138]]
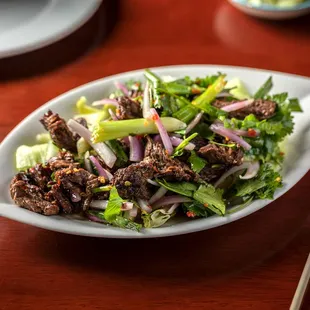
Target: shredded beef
[[199, 142], [63, 160], [40, 175], [131, 182], [31, 196], [128, 108], [262, 109], [59, 131], [78, 183], [62, 199], [169, 168], [211, 174], [217, 154]]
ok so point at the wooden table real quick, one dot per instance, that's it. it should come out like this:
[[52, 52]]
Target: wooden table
[[254, 263]]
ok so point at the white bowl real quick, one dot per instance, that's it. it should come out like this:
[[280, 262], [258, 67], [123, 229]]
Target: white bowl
[[296, 164], [267, 11]]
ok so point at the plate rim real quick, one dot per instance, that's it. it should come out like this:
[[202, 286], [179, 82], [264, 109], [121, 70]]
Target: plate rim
[[272, 8], [147, 233], [10, 51]]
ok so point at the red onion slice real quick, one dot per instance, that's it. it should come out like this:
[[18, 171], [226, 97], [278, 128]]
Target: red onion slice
[[171, 209], [245, 165], [251, 171], [176, 141], [101, 171], [113, 115], [162, 131], [146, 101], [152, 182], [106, 101], [87, 162], [133, 212], [126, 206], [194, 123], [101, 148], [237, 105], [122, 88], [136, 151], [94, 218], [144, 205], [169, 200], [99, 204], [161, 192], [221, 130]]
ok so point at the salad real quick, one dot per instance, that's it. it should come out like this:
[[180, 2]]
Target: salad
[[156, 149]]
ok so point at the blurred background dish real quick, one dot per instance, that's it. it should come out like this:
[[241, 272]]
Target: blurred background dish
[[29, 25], [282, 10]]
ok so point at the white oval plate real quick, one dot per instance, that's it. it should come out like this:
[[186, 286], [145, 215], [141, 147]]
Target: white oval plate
[[296, 165], [29, 25]]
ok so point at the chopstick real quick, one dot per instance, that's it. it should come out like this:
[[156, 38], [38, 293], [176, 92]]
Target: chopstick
[[302, 287]]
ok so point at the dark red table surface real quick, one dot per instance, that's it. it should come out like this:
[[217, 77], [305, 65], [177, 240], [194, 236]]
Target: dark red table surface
[[254, 263]]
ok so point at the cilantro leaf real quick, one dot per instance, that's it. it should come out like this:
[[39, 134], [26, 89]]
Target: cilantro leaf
[[197, 163], [264, 89], [114, 205], [262, 186], [197, 208], [211, 197]]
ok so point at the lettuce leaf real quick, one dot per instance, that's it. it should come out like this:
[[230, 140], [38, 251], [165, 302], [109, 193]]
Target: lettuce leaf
[[237, 89], [197, 209], [28, 156], [157, 218]]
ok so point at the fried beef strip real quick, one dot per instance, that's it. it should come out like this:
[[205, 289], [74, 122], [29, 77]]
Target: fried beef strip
[[59, 131], [63, 160], [217, 154], [131, 182], [262, 109], [31, 196], [128, 108]]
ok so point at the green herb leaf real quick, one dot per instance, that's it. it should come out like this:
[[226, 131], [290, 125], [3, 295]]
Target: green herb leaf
[[182, 188], [264, 89], [178, 151], [211, 197], [198, 209], [126, 223], [197, 163], [203, 101], [114, 205], [263, 186], [294, 105]]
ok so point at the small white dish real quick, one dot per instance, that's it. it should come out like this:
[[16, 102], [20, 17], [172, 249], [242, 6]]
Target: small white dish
[[296, 164], [267, 11], [28, 25]]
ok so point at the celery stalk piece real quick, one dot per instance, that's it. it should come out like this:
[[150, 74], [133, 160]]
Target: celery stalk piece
[[105, 131], [204, 100]]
